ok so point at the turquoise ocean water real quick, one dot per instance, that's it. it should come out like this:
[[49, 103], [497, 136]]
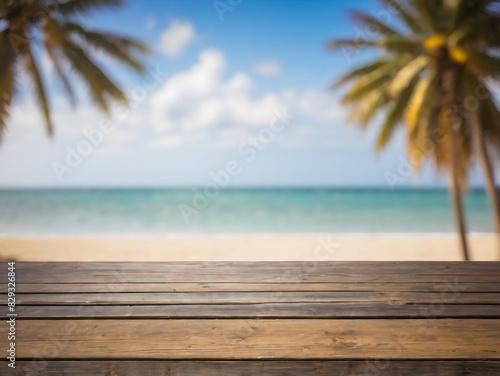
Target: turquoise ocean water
[[89, 212]]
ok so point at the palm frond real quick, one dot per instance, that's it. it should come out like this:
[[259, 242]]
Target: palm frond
[[32, 68], [70, 7], [490, 119], [483, 64], [375, 26], [471, 11], [400, 45], [406, 14], [67, 44], [407, 74], [431, 13], [452, 9], [376, 102], [417, 144], [56, 61], [389, 126], [365, 110], [395, 116], [486, 107], [7, 79], [364, 85], [100, 86], [121, 48], [391, 44], [361, 71], [415, 105], [336, 44]]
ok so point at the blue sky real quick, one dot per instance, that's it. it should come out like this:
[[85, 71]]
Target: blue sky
[[223, 83]]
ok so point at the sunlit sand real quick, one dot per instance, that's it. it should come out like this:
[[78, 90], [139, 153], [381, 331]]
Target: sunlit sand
[[251, 247]]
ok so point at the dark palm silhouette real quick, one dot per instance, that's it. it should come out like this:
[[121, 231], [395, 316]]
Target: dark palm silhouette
[[27, 25]]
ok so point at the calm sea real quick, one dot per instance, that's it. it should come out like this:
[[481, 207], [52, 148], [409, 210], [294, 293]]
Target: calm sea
[[88, 212]]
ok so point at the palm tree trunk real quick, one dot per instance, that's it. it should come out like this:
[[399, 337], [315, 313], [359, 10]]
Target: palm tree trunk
[[450, 95], [487, 167], [456, 194]]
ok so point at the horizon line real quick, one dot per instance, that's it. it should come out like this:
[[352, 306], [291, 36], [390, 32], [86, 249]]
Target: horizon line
[[152, 187]]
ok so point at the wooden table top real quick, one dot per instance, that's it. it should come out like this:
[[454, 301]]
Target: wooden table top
[[254, 318]]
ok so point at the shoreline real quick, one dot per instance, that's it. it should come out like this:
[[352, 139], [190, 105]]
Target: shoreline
[[120, 236], [251, 247]]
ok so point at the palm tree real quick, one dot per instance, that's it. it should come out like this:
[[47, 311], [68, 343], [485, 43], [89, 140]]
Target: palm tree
[[27, 27], [432, 74]]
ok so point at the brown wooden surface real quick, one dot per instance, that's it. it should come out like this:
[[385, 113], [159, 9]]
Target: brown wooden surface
[[298, 272], [268, 310], [259, 339], [219, 318], [256, 286], [209, 297], [387, 366]]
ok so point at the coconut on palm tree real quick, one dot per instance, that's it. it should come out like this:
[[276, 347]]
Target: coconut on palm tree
[[436, 61], [29, 28]]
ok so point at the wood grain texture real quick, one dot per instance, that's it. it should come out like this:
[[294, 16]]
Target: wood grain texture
[[267, 310], [257, 339], [386, 367], [112, 273], [33, 288], [248, 318], [208, 297]]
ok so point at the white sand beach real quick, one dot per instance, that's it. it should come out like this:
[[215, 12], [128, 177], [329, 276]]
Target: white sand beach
[[252, 247]]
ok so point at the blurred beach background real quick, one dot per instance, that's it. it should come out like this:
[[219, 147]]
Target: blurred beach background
[[239, 224], [233, 145], [144, 212]]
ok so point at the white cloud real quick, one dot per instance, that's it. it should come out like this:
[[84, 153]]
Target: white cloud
[[200, 103], [177, 37], [200, 99], [195, 116], [267, 68]]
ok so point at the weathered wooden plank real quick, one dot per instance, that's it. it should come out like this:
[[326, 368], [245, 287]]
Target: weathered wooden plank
[[271, 287], [422, 310], [208, 297], [415, 312], [387, 366], [357, 268], [427, 267], [248, 272], [235, 276], [256, 339]]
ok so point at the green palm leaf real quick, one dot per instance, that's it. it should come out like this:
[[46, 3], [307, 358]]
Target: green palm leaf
[[406, 14], [483, 64], [101, 87], [7, 79], [32, 69], [375, 25], [416, 103], [56, 61], [374, 102], [407, 74], [373, 80], [395, 115], [432, 13], [81, 6], [68, 45], [449, 42], [123, 49], [361, 71], [336, 44]]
